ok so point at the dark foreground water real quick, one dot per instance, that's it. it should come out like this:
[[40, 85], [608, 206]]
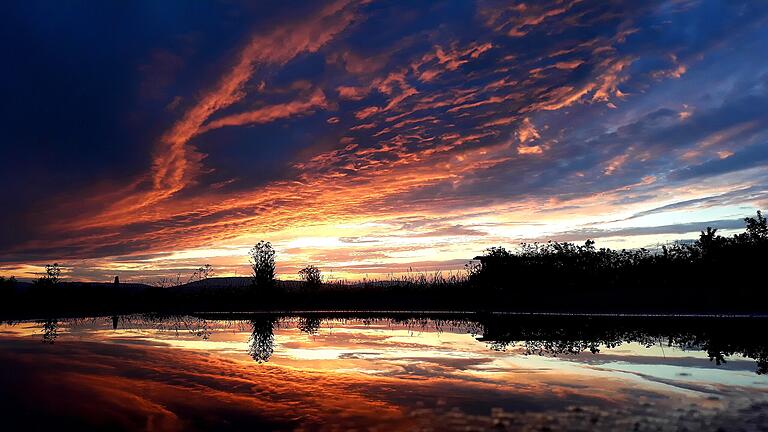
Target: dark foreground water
[[399, 372]]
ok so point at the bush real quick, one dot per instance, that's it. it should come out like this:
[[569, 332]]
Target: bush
[[311, 277], [713, 272]]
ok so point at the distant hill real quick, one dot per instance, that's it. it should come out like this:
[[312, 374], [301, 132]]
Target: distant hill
[[229, 282], [218, 282], [64, 285]]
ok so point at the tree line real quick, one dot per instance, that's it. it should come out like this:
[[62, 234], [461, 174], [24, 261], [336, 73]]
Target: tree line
[[713, 273]]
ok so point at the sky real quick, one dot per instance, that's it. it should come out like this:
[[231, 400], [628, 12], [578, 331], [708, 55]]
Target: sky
[[370, 138]]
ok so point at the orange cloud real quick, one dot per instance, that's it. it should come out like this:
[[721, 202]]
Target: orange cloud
[[527, 132], [270, 113], [352, 93], [175, 163]]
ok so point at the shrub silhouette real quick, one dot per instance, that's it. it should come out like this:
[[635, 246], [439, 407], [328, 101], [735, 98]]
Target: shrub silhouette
[[714, 271], [262, 258], [311, 277], [51, 277], [53, 273], [7, 288], [202, 273]]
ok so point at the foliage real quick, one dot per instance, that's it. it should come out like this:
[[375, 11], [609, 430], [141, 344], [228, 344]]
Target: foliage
[[7, 283], [53, 273], [757, 229], [311, 277], [262, 259], [692, 272], [168, 282], [202, 273], [51, 277], [7, 288]]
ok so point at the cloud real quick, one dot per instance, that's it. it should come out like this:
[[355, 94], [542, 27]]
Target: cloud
[[451, 231], [527, 132], [270, 113], [683, 228], [752, 193], [753, 156], [175, 163]]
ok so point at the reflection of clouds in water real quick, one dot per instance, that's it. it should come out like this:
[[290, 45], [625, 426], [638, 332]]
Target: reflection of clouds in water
[[180, 381], [353, 376]]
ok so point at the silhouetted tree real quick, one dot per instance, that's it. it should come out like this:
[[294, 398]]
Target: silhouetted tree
[[708, 240], [757, 228], [52, 273], [262, 258], [202, 273], [205, 271], [711, 273], [311, 276], [491, 268], [473, 269], [51, 277]]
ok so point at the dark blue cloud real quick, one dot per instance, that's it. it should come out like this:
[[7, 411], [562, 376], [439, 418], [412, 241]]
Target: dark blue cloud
[[753, 156]]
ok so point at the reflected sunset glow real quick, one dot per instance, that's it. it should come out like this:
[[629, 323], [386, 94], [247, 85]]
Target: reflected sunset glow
[[350, 374]]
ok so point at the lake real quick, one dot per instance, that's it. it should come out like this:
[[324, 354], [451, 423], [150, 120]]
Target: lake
[[385, 371]]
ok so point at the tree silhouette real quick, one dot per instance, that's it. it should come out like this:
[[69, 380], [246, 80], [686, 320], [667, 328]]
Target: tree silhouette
[[311, 276], [52, 273], [202, 273], [708, 238], [262, 258], [757, 228]]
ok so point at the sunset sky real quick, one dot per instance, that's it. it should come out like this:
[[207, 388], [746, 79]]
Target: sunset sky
[[147, 138]]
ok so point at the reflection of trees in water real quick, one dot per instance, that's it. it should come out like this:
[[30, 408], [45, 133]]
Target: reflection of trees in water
[[309, 325], [718, 348], [50, 329], [175, 323], [261, 344], [719, 338], [428, 324]]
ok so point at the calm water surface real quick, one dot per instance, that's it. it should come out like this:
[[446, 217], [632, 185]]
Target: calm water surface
[[312, 373]]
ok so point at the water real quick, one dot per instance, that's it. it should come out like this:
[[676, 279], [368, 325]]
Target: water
[[384, 372]]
